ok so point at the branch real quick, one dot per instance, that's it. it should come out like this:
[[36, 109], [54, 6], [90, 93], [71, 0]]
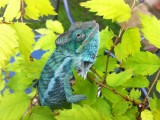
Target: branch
[[116, 41], [115, 92], [150, 89], [22, 10]]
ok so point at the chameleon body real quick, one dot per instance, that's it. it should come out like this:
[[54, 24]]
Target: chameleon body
[[75, 49]]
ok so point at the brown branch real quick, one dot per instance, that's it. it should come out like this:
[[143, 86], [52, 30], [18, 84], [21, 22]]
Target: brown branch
[[116, 41], [115, 92], [151, 87], [22, 10]]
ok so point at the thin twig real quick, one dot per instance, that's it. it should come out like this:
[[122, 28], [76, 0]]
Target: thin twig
[[22, 10], [116, 41], [150, 89], [115, 92]]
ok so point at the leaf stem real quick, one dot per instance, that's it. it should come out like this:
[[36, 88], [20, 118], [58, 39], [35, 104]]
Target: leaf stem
[[114, 44], [151, 87]]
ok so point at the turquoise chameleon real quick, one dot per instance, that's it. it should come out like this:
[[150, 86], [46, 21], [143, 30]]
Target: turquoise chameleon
[[75, 49]]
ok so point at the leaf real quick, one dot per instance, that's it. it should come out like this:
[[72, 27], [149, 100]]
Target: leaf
[[40, 113], [137, 81], [13, 106], [8, 43], [119, 107], [146, 115], [102, 107], [25, 39], [115, 80], [132, 113], [130, 44], [155, 107], [158, 86], [80, 113], [117, 10], [106, 42], [12, 10], [44, 31], [46, 42], [35, 9], [56, 26], [109, 95], [135, 94], [121, 117], [90, 91], [151, 29], [143, 63], [3, 3], [101, 61]]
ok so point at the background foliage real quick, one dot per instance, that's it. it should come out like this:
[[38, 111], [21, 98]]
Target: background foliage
[[120, 97]]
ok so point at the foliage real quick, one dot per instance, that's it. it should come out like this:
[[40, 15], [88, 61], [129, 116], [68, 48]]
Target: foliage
[[112, 88]]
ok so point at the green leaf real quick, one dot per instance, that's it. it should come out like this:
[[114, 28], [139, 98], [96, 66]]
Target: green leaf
[[80, 113], [146, 115], [56, 26], [130, 44], [121, 117], [119, 107], [110, 95], [46, 42], [132, 113], [105, 40], [89, 89], [115, 80], [155, 107], [35, 9], [12, 10], [137, 81], [151, 29], [102, 107], [117, 10], [8, 43], [101, 61], [40, 113], [144, 63], [25, 39], [44, 31], [13, 106], [158, 86], [135, 94]]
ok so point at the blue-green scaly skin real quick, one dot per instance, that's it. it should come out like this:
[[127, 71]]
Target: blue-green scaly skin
[[75, 49]]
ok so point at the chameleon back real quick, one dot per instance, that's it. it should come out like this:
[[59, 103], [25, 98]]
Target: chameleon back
[[76, 49]]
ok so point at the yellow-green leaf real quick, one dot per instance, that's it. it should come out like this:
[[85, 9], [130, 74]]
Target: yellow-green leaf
[[13, 106], [80, 113], [56, 26], [46, 42], [151, 29], [12, 10], [8, 43], [146, 115], [35, 9], [144, 63], [117, 10], [115, 80], [130, 44], [158, 86], [3, 3], [25, 38], [106, 41]]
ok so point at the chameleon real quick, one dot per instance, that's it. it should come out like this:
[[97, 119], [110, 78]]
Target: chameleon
[[75, 49]]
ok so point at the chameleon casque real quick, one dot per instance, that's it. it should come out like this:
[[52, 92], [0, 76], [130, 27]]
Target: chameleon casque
[[75, 49]]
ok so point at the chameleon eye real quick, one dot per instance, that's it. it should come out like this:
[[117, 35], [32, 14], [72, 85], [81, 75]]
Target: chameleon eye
[[78, 35]]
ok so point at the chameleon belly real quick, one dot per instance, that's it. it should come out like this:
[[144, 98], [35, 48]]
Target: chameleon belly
[[76, 49]]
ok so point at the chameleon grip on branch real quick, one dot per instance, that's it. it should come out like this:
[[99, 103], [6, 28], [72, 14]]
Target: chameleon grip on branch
[[75, 49]]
